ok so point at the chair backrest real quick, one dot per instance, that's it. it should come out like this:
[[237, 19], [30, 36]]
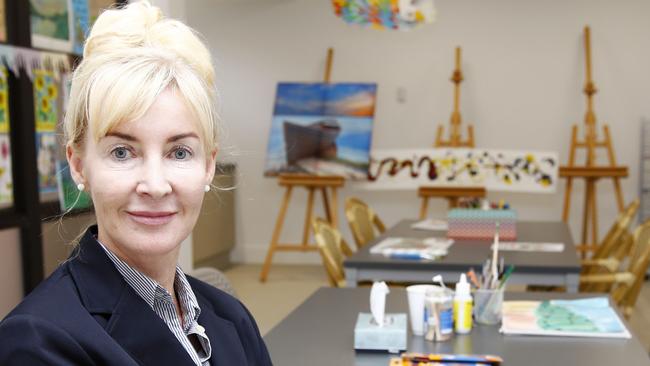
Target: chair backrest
[[614, 236], [333, 250], [626, 295], [363, 221], [616, 246]]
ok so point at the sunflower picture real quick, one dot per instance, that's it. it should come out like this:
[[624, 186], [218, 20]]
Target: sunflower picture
[[4, 101], [45, 101]]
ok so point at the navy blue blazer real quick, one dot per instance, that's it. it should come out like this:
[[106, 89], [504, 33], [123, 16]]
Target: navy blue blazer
[[86, 314]]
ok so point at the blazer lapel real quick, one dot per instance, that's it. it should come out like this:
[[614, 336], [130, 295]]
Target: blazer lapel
[[224, 339], [139, 330], [131, 322]]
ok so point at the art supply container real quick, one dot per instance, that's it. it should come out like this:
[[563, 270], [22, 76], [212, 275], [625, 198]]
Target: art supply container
[[487, 306], [416, 295], [439, 314]]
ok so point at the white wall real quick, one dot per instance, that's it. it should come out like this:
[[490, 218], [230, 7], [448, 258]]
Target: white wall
[[524, 73]]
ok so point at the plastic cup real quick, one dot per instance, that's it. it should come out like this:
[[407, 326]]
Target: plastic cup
[[416, 295], [487, 306]]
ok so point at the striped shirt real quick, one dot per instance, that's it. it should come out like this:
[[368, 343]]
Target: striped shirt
[[161, 302]]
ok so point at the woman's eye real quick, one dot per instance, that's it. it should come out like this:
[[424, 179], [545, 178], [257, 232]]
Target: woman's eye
[[182, 154], [120, 153]]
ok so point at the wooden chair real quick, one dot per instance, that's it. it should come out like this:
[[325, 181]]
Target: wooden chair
[[333, 250], [614, 248], [626, 296], [626, 285], [363, 221], [614, 234]]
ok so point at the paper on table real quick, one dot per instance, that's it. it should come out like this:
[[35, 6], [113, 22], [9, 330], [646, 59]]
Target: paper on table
[[428, 246], [590, 317], [525, 246], [431, 225]]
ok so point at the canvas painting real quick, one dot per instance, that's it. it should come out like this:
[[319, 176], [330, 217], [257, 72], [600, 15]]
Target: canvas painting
[[6, 180], [323, 129], [496, 170], [51, 24]]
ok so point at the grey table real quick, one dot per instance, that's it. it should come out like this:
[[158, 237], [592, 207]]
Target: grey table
[[320, 332], [536, 268]]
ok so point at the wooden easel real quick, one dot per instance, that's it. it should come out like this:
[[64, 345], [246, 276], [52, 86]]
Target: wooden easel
[[590, 172], [451, 194], [312, 183], [455, 138]]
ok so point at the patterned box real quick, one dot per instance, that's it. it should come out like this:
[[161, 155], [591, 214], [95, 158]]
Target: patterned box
[[481, 224]]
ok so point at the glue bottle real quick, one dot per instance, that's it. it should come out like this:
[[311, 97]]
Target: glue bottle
[[462, 307]]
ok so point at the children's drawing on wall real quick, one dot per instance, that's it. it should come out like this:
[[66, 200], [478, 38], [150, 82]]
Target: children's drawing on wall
[[3, 23], [6, 185], [80, 25], [46, 113], [51, 22], [46, 92], [6, 181], [4, 100], [69, 196], [321, 129], [386, 14], [46, 156], [496, 170]]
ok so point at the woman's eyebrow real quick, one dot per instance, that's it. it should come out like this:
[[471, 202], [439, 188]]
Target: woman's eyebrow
[[121, 135], [182, 136], [128, 137]]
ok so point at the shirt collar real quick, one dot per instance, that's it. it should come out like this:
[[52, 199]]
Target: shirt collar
[[150, 290]]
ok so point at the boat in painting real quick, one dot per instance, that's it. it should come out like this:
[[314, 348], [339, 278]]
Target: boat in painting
[[317, 140]]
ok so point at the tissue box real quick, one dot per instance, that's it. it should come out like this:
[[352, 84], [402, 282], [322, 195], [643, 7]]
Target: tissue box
[[480, 224], [391, 337]]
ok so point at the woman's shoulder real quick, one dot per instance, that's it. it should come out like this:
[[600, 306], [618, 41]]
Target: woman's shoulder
[[55, 295]]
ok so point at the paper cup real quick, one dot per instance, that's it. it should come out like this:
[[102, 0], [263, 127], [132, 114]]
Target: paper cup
[[416, 295]]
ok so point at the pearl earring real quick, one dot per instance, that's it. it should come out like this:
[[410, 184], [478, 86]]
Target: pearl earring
[[206, 188], [81, 186]]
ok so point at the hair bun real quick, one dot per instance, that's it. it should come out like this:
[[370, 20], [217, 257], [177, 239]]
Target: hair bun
[[141, 27]]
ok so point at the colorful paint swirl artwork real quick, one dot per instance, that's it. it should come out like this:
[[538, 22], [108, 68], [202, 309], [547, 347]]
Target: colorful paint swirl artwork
[[386, 14], [496, 170]]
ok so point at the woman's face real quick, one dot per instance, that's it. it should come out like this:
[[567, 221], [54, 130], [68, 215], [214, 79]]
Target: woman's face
[[146, 178]]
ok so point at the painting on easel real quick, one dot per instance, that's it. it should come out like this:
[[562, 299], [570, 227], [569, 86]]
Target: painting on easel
[[496, 170], [321, 128]]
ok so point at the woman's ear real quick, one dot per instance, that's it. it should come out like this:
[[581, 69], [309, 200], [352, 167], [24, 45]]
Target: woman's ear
[[75, 163], [211, 166]]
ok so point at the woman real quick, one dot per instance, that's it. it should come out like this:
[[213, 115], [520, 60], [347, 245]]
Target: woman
[[141, 131]]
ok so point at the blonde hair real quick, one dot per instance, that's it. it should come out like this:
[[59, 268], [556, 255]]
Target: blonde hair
[[131, 55]]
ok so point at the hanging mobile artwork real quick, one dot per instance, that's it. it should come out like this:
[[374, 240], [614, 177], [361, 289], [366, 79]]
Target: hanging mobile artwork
[[386, 14]]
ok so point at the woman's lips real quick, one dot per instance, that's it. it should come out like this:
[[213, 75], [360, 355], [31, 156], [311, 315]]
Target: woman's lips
[[151, 217]]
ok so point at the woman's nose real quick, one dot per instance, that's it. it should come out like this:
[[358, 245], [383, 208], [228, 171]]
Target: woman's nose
[[153, 180]]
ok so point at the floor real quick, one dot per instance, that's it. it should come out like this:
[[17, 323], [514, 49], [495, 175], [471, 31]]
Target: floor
[[289, 285]]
